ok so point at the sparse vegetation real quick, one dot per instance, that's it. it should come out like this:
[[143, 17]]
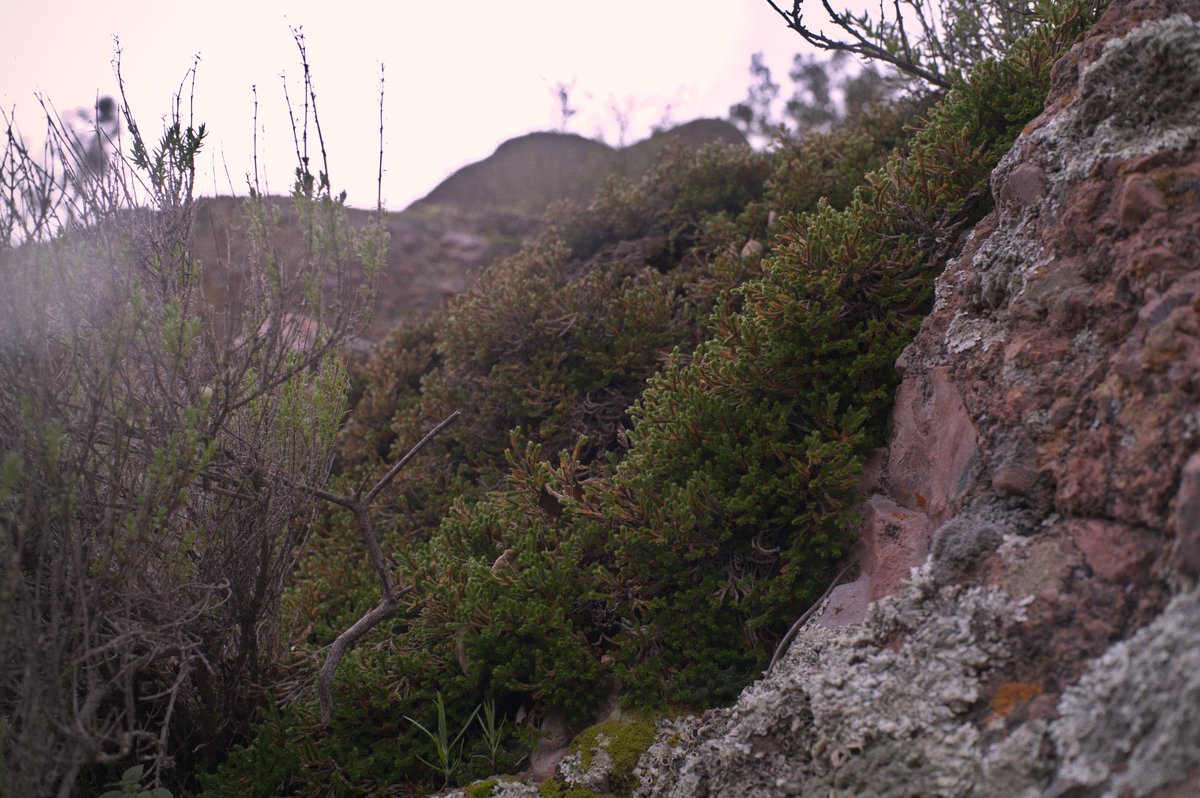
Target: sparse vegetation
[[158, 457]]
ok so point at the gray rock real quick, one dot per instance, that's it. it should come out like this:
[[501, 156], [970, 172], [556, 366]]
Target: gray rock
[[1131, 724], [877, 709]]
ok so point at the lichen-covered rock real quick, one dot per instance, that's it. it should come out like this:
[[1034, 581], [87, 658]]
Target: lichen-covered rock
[[876, 708], [1044, 453], [497, 788], [602, 757], [1131, 724]]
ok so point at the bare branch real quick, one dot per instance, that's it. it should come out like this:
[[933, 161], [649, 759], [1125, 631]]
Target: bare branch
[[803, 619], [859, 44], [360, 506], [346, 640], [391, 474]]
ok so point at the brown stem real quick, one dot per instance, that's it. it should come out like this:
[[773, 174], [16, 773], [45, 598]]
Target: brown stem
[[390, 475], [362, 515], [787, 638], [360, 506], [343, 643]]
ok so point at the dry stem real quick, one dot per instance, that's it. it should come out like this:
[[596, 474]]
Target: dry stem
[[359, 505]]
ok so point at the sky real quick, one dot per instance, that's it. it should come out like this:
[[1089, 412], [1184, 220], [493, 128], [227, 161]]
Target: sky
[[460, 78]]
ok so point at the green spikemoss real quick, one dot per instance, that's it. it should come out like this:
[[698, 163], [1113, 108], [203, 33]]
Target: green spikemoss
[[829, 166], [558, 339]]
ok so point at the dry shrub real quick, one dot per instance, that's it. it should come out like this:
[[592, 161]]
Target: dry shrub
[[157, 453]]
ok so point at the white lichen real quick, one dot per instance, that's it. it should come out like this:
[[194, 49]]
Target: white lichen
[[844, 704], [1131, 725]]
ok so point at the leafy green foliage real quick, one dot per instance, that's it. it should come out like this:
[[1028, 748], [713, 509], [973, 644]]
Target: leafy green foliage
[[685, 430]]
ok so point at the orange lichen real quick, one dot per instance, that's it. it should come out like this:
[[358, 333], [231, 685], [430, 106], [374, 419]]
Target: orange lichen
[[1012, 694]]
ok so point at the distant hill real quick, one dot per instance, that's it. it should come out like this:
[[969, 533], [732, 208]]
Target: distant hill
[[527, 173], [482, 212], [433, 253]]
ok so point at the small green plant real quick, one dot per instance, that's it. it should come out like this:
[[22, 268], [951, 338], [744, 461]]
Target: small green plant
[[448, 751], [131, 784], [493, 734]]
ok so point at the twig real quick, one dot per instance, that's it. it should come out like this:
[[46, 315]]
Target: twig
[[379, 180], [799, 624], [859, 44], [390, 475], [360, 506]]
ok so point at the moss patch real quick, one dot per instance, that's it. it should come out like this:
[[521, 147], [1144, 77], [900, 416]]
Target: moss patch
[[624, 738], [483, 789], [555, 788]]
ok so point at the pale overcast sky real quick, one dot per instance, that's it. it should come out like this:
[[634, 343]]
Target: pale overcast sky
[[461, 77]]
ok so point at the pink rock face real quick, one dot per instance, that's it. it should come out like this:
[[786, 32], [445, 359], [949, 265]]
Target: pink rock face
[[1046, 435], [1185, 521], [550, 749], [932, 444], [1113, 552], [893, 541]]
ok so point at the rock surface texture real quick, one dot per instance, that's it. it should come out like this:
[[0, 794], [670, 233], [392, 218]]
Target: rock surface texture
[[1026, 623]]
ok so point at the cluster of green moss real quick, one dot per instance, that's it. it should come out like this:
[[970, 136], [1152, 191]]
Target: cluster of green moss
[[710, 415], [482, 789], [625, 739]]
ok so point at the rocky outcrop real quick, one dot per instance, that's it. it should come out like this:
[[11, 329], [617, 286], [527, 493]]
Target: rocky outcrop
[[528, 173], [1025, 620]]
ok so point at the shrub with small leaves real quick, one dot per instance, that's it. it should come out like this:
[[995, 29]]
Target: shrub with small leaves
[[662, 554]]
